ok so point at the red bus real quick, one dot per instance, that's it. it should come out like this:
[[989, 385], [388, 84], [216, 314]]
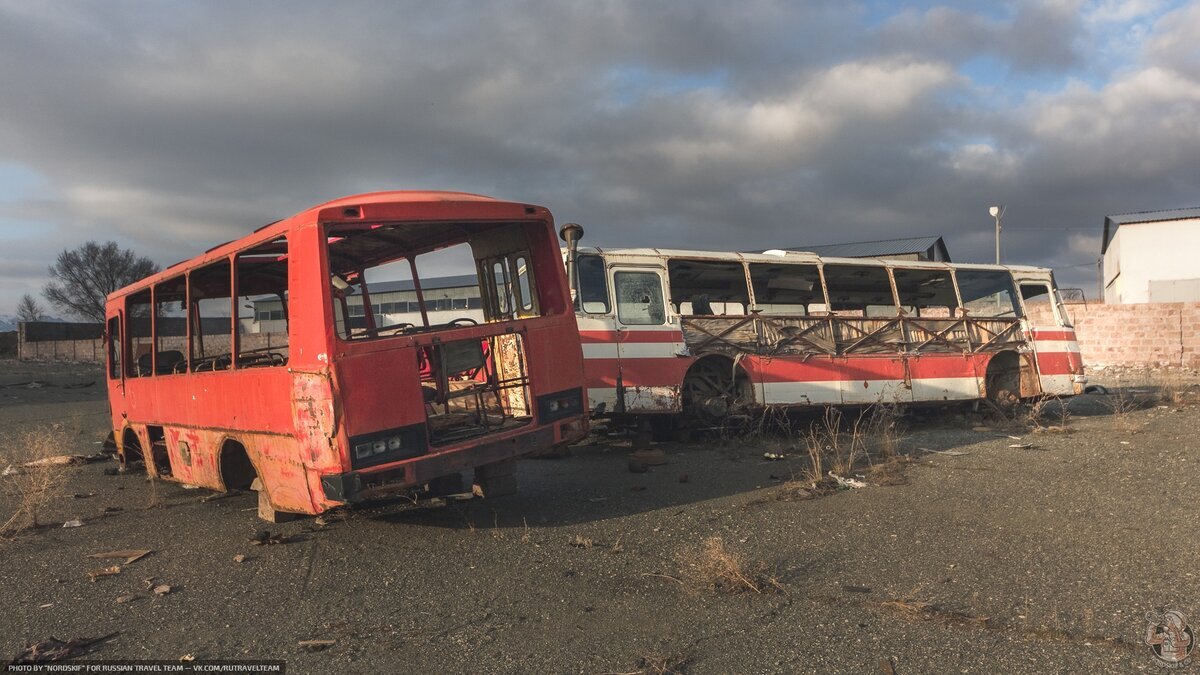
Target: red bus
[[709, 334], [264, 364]]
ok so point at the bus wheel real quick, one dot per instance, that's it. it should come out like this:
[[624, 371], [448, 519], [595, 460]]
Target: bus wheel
[[712, 390], [1002, 383]]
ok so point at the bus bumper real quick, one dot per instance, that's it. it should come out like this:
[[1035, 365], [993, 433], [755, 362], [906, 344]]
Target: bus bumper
[[356, 486]]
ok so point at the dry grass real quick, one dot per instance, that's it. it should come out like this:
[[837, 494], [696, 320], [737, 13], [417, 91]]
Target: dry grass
[[911, 609], [712, 565], [663, 664], [28, 489]]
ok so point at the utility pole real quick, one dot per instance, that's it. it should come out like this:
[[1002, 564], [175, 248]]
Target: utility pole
[[997, 212]]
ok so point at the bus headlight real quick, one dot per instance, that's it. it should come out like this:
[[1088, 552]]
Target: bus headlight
[[388, 446]]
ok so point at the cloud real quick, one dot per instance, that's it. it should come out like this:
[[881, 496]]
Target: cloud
[[174, 128]]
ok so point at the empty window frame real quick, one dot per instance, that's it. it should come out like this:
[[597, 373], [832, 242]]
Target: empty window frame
[[926, 293], [593, 285], [140, 347], [114, 347], [170, 326], [262, 281], [987, 293], [787, 289], [707, 288], [639, 298], [210, 299], [859, 290]]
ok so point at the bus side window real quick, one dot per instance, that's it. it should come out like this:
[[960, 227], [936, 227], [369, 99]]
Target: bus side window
[[640, 299], [926, 293], [787, 289], [860, 290], [708, 288], [211, 293], [114, 348], [593, 285], [262, 305], [987, 293], [137, 329], [170, 326]]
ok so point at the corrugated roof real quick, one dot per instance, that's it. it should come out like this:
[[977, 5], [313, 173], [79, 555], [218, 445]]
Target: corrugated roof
[[878, 248], [1112, 222]]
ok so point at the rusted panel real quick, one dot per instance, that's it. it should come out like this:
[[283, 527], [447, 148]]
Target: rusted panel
[[652, 399]]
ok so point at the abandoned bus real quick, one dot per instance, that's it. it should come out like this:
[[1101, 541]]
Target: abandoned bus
[[264, 364], [709, 333]]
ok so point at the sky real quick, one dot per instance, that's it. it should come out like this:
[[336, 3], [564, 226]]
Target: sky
[[173, 126]]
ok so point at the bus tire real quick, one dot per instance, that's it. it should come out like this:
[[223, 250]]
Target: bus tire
[[713, 388]]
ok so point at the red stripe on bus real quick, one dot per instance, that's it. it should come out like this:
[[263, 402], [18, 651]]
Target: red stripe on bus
[[1053, 334], [629, 336]]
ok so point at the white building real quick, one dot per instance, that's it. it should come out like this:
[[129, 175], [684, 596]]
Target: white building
[[1152, 256]]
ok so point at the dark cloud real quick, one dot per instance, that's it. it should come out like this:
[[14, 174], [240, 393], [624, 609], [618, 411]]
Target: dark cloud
[[679, 123]]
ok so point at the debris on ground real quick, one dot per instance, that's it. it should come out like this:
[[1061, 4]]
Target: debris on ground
[[265, 538], [774, 456], [162, 589], [73, 523], [239, 558], [130, 555], [316, 645], [581, 541], [104, 572], [847, 482], [1021, 446], [9, 470], [948, 453], [127, 598], [53, 649], [649, 457], [57, 460]]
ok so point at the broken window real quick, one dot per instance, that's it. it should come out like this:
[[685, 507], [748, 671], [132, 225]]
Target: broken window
[[137, 328], [987, 293], [705, 288], [593, 284], [114, 348], [926, 293], [170, 326], [859, 290], [211, 300], [639, 298], [787, 288], [262, 289], [375, 292]]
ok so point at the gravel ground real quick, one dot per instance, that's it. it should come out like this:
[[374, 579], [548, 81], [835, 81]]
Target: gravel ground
[[1062, 547]]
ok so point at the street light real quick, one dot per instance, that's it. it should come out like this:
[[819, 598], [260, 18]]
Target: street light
[[997, 212]]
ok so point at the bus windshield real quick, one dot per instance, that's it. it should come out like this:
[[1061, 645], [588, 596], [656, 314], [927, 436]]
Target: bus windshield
[[395, 279]]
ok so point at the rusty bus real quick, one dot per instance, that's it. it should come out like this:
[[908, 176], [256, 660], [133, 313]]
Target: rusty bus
[[329, 400], [703, 334]]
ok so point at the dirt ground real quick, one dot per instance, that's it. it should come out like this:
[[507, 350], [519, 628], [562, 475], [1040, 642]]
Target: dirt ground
[[994, 559]]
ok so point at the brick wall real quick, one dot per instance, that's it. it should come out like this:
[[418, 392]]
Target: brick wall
[[1152, 334]]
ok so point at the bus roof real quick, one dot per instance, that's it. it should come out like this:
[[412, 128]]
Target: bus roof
[[283, 226], [778, 256]]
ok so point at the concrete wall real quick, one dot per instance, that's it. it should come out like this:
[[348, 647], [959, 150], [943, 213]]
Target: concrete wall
[[1160, 251], [1149, 334]]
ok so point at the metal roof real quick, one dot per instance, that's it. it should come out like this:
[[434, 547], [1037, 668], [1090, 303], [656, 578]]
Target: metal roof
[[879, 248], [1111, 223]]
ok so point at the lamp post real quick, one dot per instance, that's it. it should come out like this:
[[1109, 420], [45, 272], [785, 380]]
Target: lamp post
[[997, 212]]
